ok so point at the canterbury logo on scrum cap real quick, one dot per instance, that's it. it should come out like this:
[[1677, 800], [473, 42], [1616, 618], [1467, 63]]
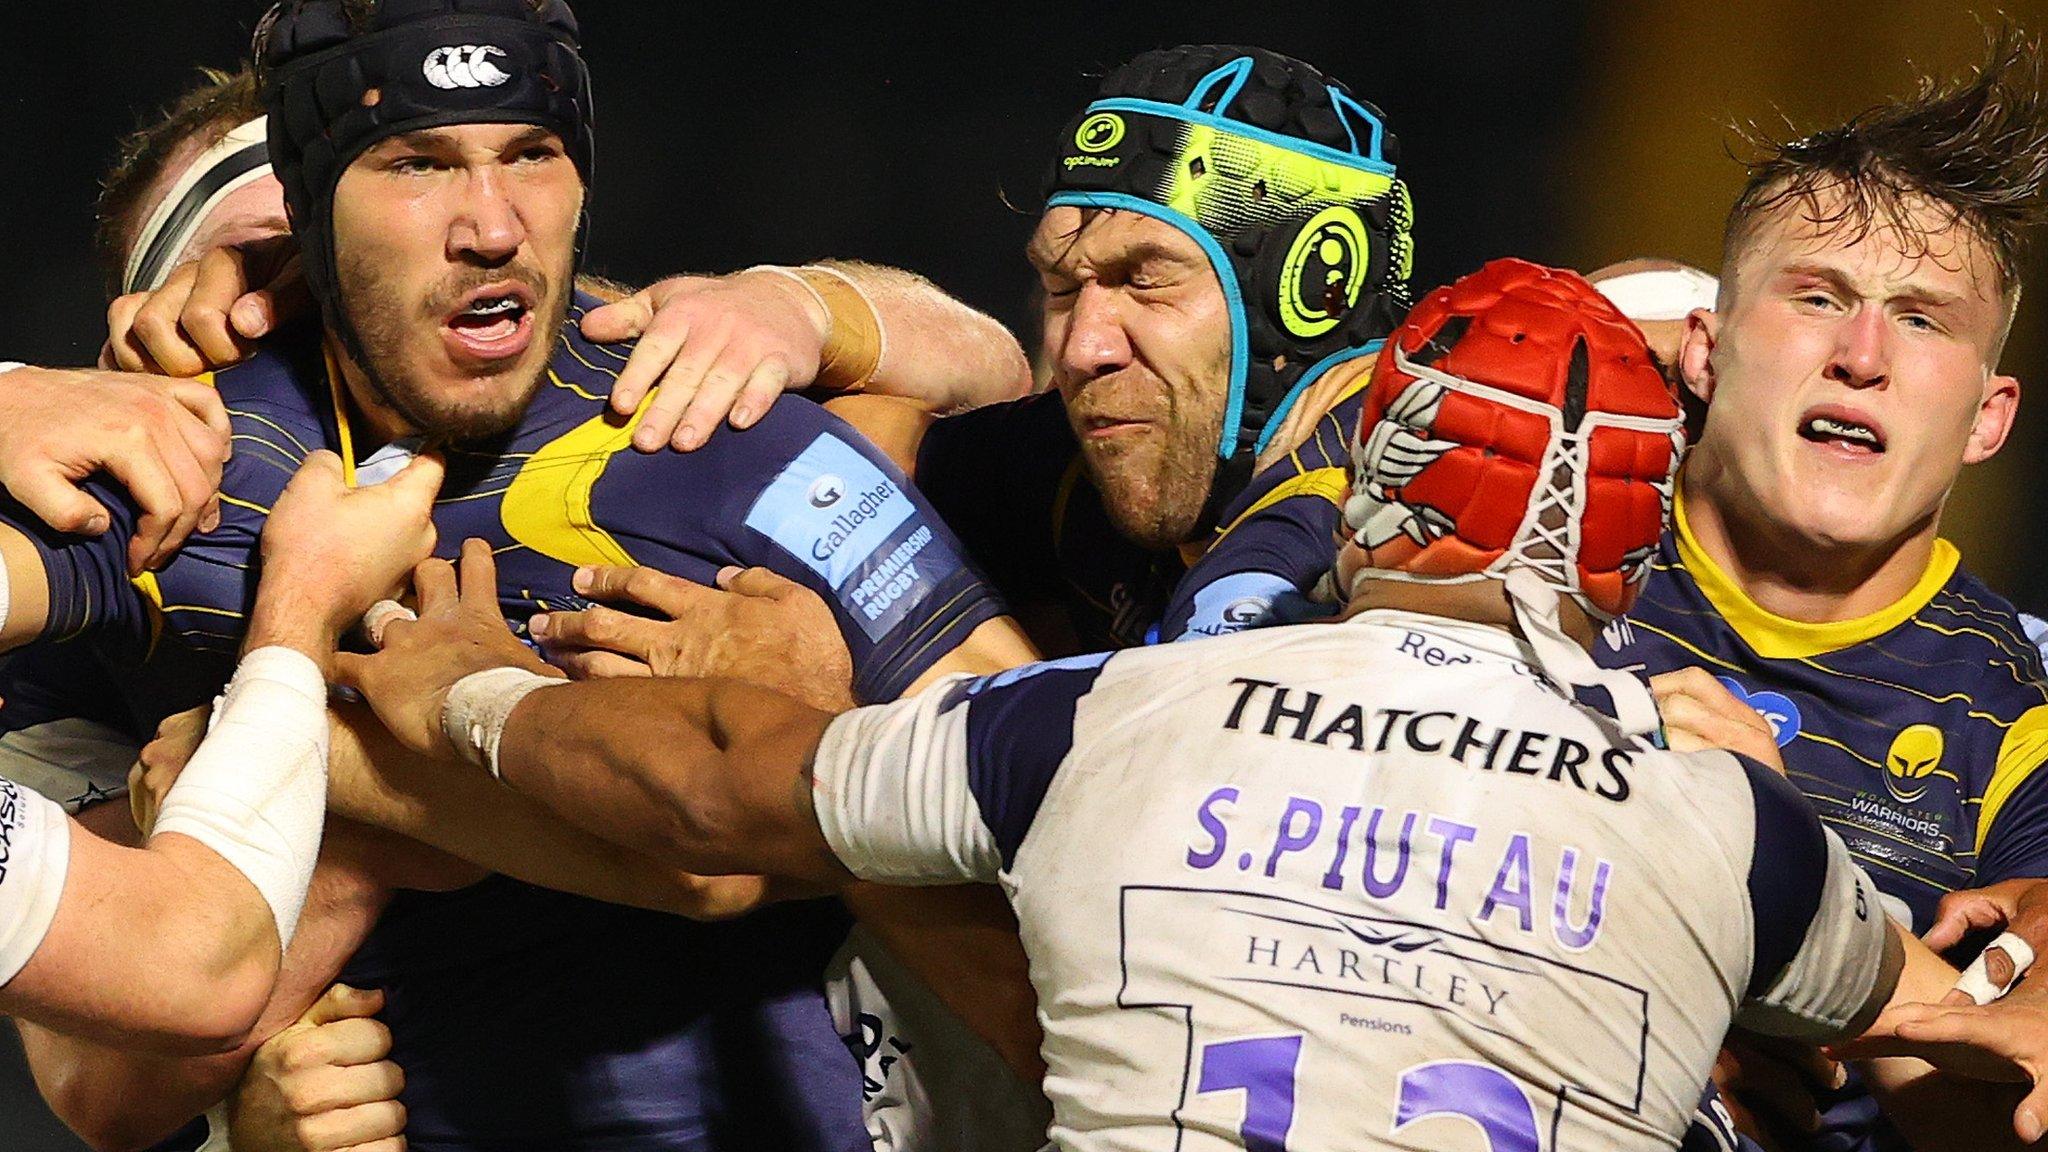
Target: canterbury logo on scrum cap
[[465, 66]]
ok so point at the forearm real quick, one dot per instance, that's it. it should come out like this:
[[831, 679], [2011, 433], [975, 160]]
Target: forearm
[[707, 776], [452, 807], [936, 350], [1937, 1111], [136, 932], [123, 1099], [26, 606]]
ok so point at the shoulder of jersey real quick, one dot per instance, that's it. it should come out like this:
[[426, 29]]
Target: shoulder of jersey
[[1965, 614], [282, 387], [287, 363]]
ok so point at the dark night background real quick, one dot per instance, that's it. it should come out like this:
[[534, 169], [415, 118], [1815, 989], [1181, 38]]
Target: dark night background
[[736, 134]]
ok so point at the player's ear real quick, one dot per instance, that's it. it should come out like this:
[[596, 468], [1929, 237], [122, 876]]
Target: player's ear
[[1994, 419], [1696, 352]]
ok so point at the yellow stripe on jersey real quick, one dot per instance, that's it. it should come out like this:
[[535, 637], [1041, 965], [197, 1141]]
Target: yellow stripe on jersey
[[1775, 637], [2022, 751], [1325, 482], [151, 591], [547, 506]]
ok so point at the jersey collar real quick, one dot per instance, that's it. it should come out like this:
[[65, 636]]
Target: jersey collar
[[1775, 637], [1486, 639]]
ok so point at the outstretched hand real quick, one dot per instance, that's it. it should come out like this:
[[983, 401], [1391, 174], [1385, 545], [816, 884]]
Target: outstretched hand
[[2006, 1040], [210, 312], [720, 348], [460, 630], [755, 626]]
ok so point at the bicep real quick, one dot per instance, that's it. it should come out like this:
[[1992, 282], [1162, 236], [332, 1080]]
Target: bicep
[[69, 584], [769, 745], [839, 518]]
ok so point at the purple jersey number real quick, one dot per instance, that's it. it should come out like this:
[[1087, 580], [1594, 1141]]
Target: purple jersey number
[[1264, 1068]]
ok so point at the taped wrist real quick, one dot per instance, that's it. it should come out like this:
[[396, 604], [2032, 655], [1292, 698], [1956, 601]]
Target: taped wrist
[[474, 715], [256, 790], [854, 339]]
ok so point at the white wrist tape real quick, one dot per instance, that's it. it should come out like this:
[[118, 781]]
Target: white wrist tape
[[473, 717], [1976, 983], [256, 791], [11, 365]]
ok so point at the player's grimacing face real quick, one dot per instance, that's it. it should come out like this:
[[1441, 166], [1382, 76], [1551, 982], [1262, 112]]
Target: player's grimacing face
[[1137, 334], [454, 253], [1851, 377]]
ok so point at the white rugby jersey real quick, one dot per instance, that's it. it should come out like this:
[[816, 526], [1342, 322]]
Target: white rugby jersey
[[1365, 885], [35, 856]]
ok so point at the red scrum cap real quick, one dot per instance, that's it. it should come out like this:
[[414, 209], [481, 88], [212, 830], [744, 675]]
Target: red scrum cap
[[1515, 420]]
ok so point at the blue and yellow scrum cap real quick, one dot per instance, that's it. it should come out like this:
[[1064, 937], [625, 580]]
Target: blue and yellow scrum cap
[[1287, 181]]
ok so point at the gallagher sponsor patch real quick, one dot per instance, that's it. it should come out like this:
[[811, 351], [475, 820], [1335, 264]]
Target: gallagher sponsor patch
[[854, 526], [1238, 601]]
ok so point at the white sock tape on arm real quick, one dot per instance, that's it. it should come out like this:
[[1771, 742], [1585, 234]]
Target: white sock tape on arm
[[256, 791], [1976, 983], [473, 717]]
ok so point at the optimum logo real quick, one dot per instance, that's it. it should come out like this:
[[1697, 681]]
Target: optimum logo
[[465, 66], [1324, 272], [825, 491], [1100, 132]]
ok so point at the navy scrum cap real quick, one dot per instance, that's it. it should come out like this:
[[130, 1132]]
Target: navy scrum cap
[[333, 92]]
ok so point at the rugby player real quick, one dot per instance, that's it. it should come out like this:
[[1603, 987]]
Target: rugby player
[[755, 500], [1263, 940], [176, 944], [1849, 371], [1268, 194], [1254, 124], [193, 227]]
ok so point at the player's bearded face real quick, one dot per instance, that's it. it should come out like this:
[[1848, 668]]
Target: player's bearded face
[[1137, 334], [1850, 379], [454, 253]]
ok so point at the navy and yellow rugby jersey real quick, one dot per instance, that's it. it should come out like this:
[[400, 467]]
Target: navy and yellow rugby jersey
[[1915, 731], [533, 1019], [1010, 480], [1278, 540]]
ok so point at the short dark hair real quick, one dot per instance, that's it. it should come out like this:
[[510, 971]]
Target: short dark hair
[[1974, 147], [220, 103]]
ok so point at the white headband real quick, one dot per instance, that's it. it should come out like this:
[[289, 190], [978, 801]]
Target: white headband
[[1660, 293], [241, 158]]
